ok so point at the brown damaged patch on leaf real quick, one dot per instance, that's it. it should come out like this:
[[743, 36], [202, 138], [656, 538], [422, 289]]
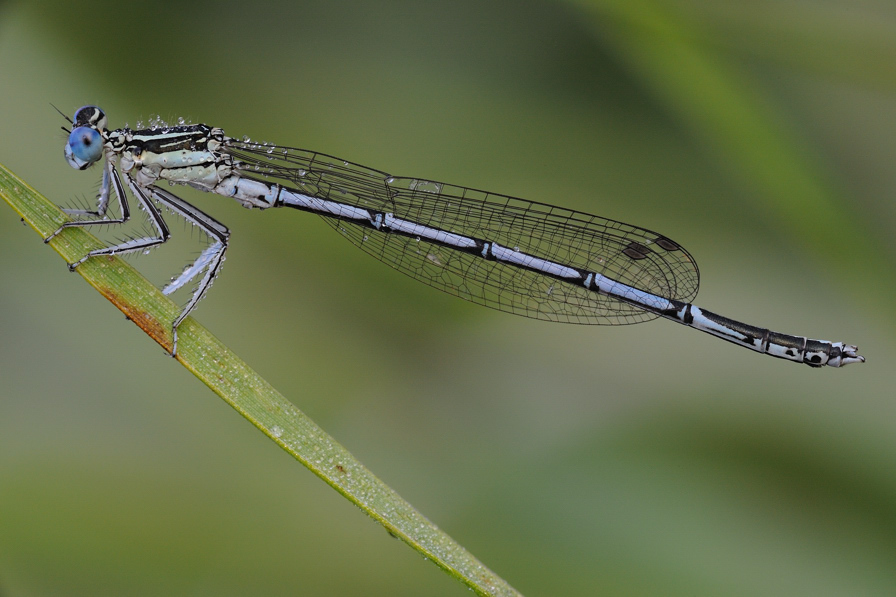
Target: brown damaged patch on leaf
[[145, 321]]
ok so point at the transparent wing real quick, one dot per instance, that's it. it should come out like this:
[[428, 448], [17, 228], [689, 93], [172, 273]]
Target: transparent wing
[[634, 256]]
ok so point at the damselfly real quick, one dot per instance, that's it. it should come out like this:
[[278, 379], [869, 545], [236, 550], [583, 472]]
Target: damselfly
[[510, 254]]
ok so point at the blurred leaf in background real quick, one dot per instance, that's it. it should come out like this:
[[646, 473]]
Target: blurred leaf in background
[[572, 460]]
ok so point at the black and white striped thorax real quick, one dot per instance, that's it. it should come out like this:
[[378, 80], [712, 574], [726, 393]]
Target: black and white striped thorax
[[188, 154]]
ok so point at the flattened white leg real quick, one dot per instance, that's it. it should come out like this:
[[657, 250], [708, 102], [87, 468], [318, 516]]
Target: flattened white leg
[[209, 261]]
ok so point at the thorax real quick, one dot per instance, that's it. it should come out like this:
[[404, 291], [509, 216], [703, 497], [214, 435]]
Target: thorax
[[189, 154]]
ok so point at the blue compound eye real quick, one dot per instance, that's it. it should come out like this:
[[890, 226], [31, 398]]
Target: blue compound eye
[[84, 147]]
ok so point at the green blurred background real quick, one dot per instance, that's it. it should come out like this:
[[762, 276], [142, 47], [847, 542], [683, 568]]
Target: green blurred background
[[572, 460]]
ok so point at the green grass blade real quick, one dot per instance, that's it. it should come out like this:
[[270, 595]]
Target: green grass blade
[[244, 390]]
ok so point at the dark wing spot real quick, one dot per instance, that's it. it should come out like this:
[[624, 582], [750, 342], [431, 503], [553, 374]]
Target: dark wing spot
[[667, 244], [636, 251]]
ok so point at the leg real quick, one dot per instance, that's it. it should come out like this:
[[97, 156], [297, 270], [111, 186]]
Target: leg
[[134, 244], [110, 178], [209, 261]]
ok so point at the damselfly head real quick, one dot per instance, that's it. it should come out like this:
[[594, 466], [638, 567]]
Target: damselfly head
[[85, 143]]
